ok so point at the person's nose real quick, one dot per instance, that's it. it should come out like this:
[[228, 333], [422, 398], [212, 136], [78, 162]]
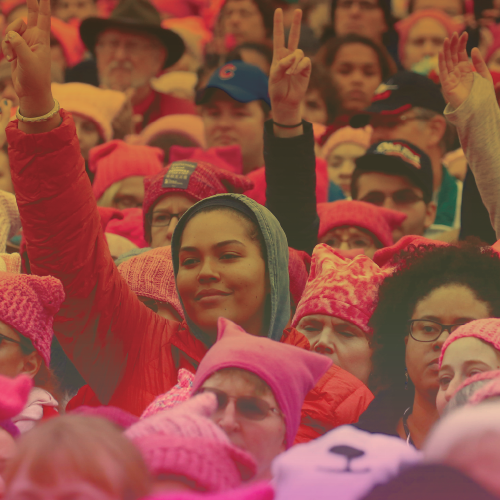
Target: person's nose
[[324, 344], [224, 121], [171, 227], [121, 53], [438, 344], [208, 272], [430, 49], [344, 245], [347, 169], [228, 420], [389, 203]]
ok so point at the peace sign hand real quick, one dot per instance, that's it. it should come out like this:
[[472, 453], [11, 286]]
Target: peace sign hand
[[290, 72], [27, 47], [456, 71]]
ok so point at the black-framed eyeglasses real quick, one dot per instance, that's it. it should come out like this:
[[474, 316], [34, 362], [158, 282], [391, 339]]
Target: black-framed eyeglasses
[[162, 219], [8, 339], [426, 330], [400, 197], [250, 407]]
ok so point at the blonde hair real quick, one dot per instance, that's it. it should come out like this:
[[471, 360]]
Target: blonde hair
[[84, 445], [106, 200]]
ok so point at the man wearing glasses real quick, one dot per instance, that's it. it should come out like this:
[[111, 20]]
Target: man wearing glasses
[[397, 175], [410, 107]]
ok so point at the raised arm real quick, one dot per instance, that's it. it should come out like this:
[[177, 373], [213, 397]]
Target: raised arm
[[102, 326], [474, 110], [289, 142]]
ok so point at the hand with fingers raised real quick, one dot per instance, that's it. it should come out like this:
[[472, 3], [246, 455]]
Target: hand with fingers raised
[[27, 47], [456, 72], [290, 73]]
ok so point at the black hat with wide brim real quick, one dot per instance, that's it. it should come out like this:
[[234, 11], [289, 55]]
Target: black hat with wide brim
[[134, 15]]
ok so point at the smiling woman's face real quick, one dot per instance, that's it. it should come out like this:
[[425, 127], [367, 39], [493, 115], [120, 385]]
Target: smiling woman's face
[[464, 358], [222, 272]]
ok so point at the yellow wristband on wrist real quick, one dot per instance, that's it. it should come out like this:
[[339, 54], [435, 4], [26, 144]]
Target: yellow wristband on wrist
[[38, 119]]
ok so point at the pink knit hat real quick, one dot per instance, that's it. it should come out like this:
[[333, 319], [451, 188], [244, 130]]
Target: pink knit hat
[[343, 135], [189, 125], [180, 393], [296, 375], [487, 330], [490, 390], [151, 274], [100, 106], [299, 263], [14, 394], [28, 304], [129, 226], [346, 289], [378, 220], [257, 491], [404, 26], [384, 257], [225, 157], [117, 160], [198, 179], [184, 441]]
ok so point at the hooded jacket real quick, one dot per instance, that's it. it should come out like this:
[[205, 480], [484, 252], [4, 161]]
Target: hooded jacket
[[126, 353]]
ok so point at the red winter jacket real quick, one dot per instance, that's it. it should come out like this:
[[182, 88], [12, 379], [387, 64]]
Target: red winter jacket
[[127, 354]]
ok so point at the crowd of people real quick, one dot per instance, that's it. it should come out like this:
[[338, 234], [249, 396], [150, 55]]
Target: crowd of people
[[248, 249]]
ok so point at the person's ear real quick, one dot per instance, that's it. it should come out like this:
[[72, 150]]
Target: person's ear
[[32, 364], [161, 60], [430, 214], [437, 128], [406, 340]]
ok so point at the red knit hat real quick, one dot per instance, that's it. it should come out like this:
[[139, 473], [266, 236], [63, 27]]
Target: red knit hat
[[117, 160], [378, 220], [299, 263], [151, 274], [198, 179], [298, 372], [384, 257], [187, 125], [346, 289], [184, 441], [28, 304], [487, 330], [225, 157], [404, 26]]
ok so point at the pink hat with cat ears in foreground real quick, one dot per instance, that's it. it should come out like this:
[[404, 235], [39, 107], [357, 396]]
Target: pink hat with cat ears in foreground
[[298, 372]]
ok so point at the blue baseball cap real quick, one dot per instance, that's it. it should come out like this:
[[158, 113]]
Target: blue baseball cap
[[241, 81]]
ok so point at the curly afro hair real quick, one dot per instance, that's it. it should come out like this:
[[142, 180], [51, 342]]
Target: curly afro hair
[[419, 271]]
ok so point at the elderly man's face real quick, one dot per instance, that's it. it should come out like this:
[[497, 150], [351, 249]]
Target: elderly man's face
[[127, 59]]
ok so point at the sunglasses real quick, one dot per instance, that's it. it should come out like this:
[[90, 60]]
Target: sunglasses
[[249, 407], [401, 197]]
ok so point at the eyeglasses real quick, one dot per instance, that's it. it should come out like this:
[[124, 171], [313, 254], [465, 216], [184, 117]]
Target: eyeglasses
[[389, 121], [8, 339], [426, 330], [363, 5], [162, 219], [401, 197], [249, 407], [353, 242], [130, 47]]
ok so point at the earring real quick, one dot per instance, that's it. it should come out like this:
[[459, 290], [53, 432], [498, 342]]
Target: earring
[[406, 379]]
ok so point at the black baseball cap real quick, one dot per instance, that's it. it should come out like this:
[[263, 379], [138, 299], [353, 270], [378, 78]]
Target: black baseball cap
[[401, 92], [398, 158]]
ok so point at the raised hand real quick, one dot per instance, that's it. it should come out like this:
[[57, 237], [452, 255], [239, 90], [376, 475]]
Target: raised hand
[[27, 47], [290, 72], [456, 71]]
